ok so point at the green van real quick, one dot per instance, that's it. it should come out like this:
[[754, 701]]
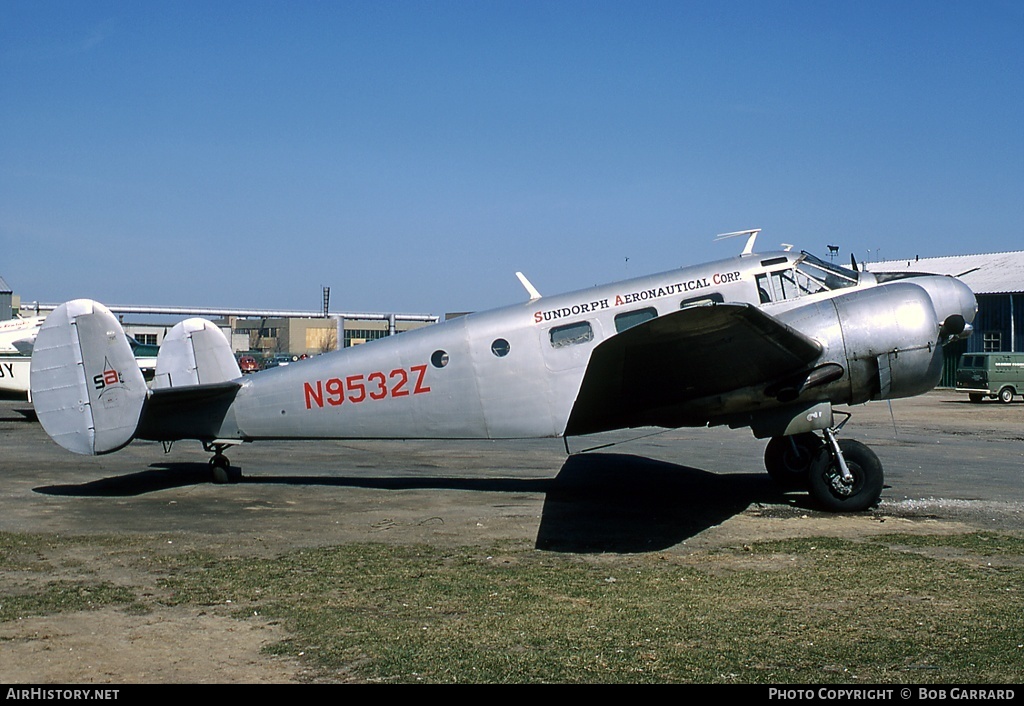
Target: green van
[[995, 375]]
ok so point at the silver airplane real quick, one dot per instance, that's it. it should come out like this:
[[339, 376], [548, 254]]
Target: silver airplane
[[766, 341]]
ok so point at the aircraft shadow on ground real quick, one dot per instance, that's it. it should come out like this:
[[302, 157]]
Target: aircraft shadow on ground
[[603, 502], [24, 414], [598, 502], [161, 476]]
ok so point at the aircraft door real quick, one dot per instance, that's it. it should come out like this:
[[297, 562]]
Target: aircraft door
[[513, 385]]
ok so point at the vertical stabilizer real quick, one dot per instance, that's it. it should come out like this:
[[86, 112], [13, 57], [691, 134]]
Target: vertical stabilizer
[[195, 352], [87, 389]]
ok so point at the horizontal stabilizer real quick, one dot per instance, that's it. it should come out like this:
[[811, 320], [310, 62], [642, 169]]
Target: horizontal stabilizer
[[195, 352], [187, 412], [87, 389]]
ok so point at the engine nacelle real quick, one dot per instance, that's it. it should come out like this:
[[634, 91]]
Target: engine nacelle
[[885, 337], [891, 338]]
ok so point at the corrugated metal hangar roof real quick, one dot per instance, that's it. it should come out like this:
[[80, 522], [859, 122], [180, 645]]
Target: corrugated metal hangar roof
[[991, 273]]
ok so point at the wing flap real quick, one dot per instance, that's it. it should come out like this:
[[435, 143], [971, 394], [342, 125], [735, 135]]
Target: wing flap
[[644, 375]]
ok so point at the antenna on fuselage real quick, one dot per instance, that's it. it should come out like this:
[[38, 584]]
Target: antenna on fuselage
[[751, 237], [530, 289]]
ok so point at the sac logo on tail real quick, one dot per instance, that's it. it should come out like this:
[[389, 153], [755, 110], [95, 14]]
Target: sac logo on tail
[[108, 378]]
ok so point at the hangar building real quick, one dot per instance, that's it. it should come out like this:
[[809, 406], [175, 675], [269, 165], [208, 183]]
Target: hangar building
[[6, 303], [264, 332]]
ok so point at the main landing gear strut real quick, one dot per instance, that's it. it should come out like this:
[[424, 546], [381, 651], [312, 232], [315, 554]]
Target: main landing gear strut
[[840, 475]]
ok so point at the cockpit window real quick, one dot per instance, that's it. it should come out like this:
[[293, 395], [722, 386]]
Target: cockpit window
[[809, 275], [830, 276], [777, 286]]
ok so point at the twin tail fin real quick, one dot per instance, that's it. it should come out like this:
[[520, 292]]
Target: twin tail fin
[[88, 391]]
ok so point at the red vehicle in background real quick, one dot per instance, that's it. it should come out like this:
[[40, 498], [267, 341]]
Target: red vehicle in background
[[248, 364]]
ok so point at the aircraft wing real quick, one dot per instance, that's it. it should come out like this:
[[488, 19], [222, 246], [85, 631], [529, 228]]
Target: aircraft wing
[[646, 375]]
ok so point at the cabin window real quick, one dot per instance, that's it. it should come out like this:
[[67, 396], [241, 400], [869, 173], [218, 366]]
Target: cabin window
[[714, 298], [500, 347], [571, 334], [630, 319], [439, 359]]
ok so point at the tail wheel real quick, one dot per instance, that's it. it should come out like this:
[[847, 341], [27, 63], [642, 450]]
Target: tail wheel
[[828, 488], [221, 470], [788, 458], [220, 467]]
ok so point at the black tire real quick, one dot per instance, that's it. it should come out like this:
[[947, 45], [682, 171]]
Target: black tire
[[220, 469], [1006, 395], [826, 484], [789, 467], [975, 397]]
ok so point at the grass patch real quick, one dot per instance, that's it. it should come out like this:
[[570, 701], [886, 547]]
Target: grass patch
[[64, 596], [822, 610], [981, 543]]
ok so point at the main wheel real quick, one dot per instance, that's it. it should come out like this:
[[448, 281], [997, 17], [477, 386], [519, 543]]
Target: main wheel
[[1006, 395], [788, 458], [828, 488]]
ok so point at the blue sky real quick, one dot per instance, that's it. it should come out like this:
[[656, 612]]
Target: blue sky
[[413, 155]]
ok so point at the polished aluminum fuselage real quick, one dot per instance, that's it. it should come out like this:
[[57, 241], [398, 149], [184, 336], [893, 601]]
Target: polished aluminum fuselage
[[497, 374]]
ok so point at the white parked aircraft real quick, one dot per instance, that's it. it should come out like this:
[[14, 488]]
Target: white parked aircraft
[[17, 335]]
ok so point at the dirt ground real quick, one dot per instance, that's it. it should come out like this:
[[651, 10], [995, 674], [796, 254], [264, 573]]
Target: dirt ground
[[441, 496]]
